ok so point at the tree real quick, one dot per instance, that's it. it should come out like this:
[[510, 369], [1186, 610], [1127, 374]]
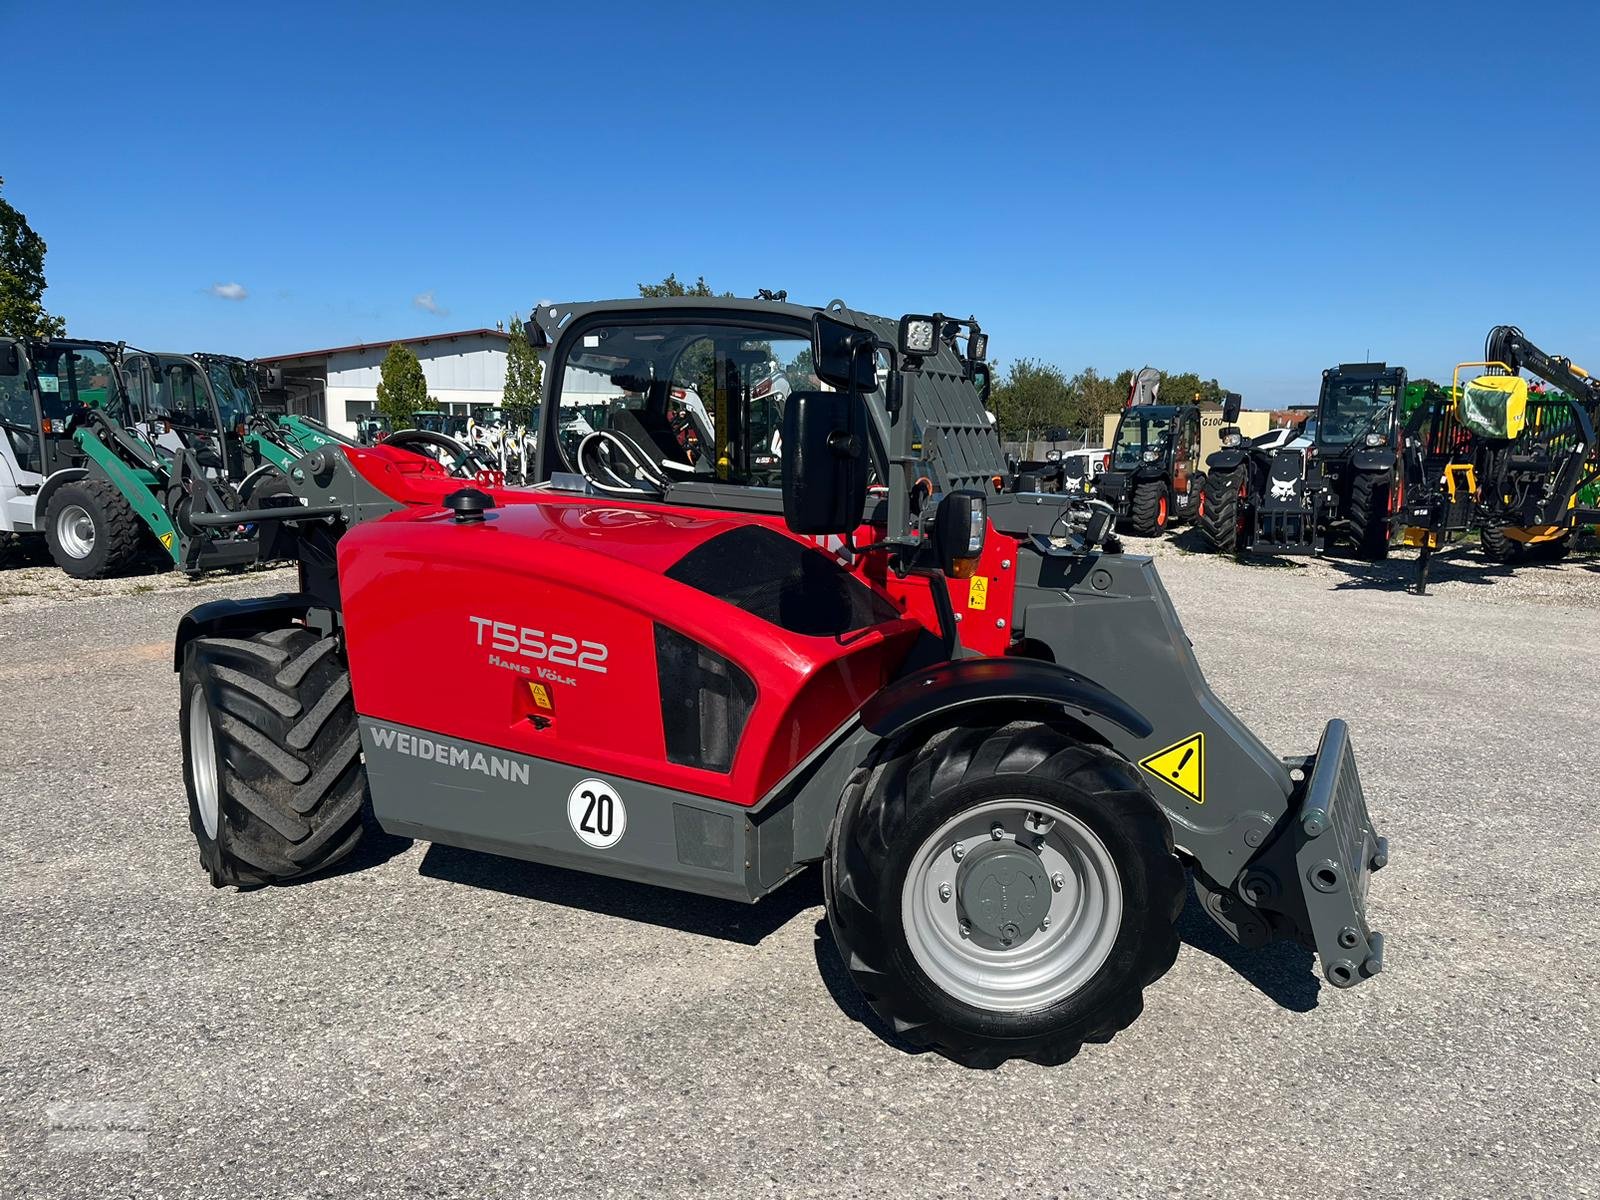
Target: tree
[[402, 390], [22, 285], [673, 286], [1033, 397], [524, 377], [1093, 396], [1181, 389]]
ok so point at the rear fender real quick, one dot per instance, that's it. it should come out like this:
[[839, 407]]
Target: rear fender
[[239, 618]]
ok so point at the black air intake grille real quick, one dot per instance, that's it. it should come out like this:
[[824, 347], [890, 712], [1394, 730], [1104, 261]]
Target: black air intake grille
[[705, 702]]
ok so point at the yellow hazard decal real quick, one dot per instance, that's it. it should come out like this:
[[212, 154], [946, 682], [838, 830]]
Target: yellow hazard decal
[[1182, 766], [166, 541], [978, 593], [541, 697]]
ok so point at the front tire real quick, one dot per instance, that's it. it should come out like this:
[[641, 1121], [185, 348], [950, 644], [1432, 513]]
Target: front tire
[[91, 529], [1148, 513], [1028, 944], [1497, 547], [271, 755], [1369, 515], [1219, 510]]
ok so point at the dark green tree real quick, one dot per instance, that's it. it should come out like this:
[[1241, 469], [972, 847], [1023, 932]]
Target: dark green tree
[[1032, 398], [1093, 396], [673, 286], [22, 285], [402, 389], [524, 377]]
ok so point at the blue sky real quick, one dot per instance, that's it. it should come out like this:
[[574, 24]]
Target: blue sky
[[1250, 191]]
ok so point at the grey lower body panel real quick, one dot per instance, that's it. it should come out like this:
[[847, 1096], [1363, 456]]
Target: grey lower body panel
[[480, 797]]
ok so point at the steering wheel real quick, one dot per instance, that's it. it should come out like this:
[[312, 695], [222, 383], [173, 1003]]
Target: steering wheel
[[424, 441]]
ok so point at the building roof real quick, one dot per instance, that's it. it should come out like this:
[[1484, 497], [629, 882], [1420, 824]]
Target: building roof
[[385, 343]]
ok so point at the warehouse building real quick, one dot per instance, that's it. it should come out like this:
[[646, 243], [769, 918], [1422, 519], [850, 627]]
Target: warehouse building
[[339, 385]]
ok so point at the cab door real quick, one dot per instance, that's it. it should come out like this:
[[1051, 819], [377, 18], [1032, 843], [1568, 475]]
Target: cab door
[[1186, 457]]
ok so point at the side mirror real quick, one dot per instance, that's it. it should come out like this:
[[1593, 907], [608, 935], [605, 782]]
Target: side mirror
[[982, 380], [10, 360], [1231, 403], [842, 355], [824, 460], [959, 525]]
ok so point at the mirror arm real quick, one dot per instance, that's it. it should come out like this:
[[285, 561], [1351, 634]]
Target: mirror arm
[[939, 592]]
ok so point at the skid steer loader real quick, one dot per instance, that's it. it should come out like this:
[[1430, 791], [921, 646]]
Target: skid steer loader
[[991, 734]]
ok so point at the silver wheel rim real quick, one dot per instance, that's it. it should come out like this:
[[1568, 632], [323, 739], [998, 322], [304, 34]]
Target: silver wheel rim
[[1046, 964], [203, 761], [75, 531]]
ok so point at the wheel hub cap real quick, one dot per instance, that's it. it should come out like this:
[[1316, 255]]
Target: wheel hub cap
[[1004, 891], [1011, 905], [75, 531]]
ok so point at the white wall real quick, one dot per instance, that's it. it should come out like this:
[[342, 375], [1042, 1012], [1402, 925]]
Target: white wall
[[469, 371]]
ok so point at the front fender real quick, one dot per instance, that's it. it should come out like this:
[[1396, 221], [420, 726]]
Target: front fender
[[41, 499], [239, 618], [967, 682], [1229, 459], [1381, 459]]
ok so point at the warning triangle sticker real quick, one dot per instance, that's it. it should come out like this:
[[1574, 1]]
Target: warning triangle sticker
[[1181, 766]]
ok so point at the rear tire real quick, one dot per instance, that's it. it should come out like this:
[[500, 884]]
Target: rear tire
[[1369, 514], [271, 755], [91, 529], [1044, 993], [1148, 513], [1219, 510]]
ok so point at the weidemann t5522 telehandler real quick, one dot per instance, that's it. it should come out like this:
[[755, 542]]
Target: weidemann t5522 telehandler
[[667, 665]]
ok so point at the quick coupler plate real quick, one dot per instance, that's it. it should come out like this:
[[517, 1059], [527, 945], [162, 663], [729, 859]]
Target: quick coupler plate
[[1336, 851]]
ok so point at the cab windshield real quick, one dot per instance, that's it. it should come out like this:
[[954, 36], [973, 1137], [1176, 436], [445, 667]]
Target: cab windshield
[[72, 378], [686, 400], [1139, 430], [235, 388], [1351, 408]]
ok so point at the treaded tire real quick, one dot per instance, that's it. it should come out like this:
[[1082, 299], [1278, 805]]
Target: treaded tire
[[893, 805], [1497, 547], [1219, 510], [291, 791], [1149, 513], [1369, 514], [116, 528]]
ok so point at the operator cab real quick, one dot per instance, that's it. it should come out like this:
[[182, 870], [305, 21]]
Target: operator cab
[[179, 402], [38, 412], [1358, 406]]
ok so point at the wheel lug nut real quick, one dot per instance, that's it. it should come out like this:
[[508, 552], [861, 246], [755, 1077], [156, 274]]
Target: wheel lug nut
[[1045, 924], [958, 850], [997, 832], [966, 928], [1058, 881], [944, 891]]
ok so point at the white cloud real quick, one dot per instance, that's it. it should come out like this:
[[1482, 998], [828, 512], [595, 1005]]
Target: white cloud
[[228, 291], [426, 302]]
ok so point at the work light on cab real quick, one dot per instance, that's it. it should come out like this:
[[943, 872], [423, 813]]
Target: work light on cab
[[918, 335]]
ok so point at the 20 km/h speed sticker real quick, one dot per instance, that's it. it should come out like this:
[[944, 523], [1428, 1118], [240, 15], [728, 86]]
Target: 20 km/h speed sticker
[[596, 813]]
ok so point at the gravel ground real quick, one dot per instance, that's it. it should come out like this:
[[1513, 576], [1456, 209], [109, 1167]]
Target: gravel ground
[[441, 1023]]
